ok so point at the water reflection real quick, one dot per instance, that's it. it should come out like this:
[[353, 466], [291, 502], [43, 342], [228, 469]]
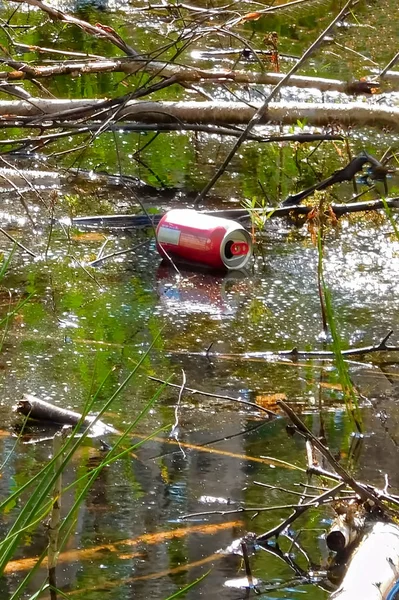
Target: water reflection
[[190, 291], [131, 538]]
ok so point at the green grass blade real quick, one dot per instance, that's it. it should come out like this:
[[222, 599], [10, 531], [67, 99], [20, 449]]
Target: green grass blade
[[188, 587], [392, 221], [350, 396]]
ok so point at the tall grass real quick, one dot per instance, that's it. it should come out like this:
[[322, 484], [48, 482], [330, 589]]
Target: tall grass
[[392, 221], [39, 504], [349, 393], [36, 495]]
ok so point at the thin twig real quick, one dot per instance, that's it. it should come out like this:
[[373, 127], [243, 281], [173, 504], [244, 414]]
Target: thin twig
[[99, 260], [174, 431], [363, 492], [299, 510], [317, 501], [12, 239], [285, 490], [389, 66], [270, 413], [262, 110]]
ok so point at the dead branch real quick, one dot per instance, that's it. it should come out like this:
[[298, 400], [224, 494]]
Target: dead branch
[[97, 30], [299, 510], [317, 501], [14, 241], [391, 76], [181, 74], [382, 494], [347, 173], [77, 129], [44, 412], [363, 492], [263, 109], [391, 64], [382, 346], [100, 260], [192, 391], [137, 221], [295, 354], [208, 112]]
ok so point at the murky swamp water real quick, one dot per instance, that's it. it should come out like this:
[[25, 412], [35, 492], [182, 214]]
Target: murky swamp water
[[138, 534]]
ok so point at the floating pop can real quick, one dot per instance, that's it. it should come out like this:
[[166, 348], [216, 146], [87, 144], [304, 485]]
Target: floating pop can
[[196, 237]]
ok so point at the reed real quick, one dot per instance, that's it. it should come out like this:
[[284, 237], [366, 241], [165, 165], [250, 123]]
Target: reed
[[41, 494], [349, 393]]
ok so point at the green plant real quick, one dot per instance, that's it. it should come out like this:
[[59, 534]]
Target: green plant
[[392, 221], [349, 392], [39, 504], [259, 212]]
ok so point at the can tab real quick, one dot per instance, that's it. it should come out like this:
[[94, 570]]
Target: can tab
[[239, 248]]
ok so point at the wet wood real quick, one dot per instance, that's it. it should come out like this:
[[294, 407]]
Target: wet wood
[[208, 112], [343, 534], [180, 73], [42, 411], [39, 410], [374, 566]]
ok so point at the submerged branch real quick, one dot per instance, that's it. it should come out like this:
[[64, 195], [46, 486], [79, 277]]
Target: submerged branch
[[294, 354], [39, 410], [242, 215], [192, 391]]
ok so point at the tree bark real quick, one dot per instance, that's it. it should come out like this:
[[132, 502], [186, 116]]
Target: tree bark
[[182, 73], [39, 410], [209, 112]]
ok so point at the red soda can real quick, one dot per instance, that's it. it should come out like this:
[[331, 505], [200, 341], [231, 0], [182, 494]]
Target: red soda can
[[204, 239]]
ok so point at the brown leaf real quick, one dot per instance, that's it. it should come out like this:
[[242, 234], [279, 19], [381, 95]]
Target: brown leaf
[[253, 16], [91, 236]]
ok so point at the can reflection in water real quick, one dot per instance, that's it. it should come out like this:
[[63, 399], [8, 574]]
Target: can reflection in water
[[201, 292]]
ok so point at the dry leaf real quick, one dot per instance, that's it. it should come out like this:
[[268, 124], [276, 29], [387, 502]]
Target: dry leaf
[[90, 236], [253, 16], [270, 401]]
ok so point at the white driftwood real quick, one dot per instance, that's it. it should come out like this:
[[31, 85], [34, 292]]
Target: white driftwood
[[343, 533], [210, 112], [374, 565]]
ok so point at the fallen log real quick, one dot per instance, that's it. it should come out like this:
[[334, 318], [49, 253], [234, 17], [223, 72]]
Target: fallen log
[[38, 410], [208, 112], [373, 568], [345, 530], [180, 73]]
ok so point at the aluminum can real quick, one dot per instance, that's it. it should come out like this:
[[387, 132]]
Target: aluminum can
[[195, 237]]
